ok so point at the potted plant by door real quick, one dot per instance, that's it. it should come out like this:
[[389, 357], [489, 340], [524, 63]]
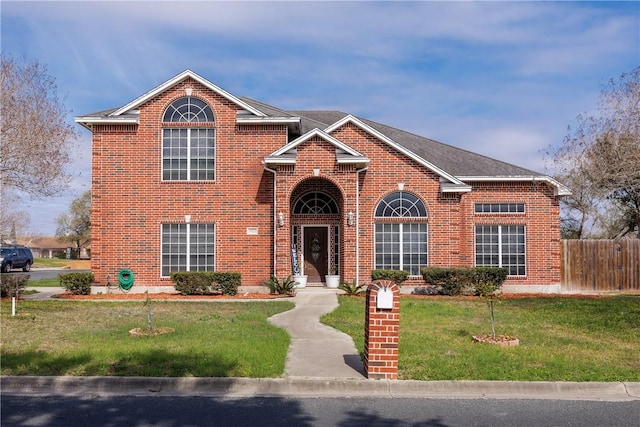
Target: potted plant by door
[[332, 279]]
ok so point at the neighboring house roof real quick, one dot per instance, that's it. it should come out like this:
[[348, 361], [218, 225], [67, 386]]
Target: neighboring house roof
[[456, 166], [43, 242]]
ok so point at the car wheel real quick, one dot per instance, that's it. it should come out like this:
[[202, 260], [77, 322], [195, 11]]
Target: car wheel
[[26, 267], [6, 268]]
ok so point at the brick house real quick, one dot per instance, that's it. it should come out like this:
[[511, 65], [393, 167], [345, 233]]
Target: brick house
[[190, 177]]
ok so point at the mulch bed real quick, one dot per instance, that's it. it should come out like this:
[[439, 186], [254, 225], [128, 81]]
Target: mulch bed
[[508, 296], [171, 296]]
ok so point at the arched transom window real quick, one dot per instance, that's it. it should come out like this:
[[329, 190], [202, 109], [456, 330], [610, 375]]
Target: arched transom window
[[188, 110], [315, 203], [401, 244], [188, 153], [401, 204]]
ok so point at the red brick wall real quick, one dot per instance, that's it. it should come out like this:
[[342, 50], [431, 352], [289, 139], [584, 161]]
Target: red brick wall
[[130, 201]]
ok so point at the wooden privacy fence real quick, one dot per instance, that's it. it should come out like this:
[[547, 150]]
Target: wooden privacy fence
[[600, 265]]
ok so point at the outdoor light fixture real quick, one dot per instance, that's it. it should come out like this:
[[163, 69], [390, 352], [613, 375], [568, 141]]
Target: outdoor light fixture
[[280, 219], [350, 217]]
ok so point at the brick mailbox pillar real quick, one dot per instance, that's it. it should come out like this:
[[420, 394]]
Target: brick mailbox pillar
[[382, 330]]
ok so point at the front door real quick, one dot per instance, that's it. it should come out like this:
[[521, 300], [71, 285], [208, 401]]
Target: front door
[[315, 253]]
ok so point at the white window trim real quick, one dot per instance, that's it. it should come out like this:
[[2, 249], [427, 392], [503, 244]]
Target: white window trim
[[401, 242], [215, 156], [475, 248]]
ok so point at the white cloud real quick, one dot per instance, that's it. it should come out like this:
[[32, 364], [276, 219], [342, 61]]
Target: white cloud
[[459, 72]]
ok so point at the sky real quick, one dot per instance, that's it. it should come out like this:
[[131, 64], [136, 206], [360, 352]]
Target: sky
[[503, 79]]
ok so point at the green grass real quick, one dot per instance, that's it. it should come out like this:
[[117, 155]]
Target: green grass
[[561, 339], [91, 338], [44, 283], [50, 262]]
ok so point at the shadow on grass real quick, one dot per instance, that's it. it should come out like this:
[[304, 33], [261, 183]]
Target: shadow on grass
[[149, 363]]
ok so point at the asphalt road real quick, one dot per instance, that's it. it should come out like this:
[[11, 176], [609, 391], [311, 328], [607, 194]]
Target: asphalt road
[[169, 411], [37, 274]]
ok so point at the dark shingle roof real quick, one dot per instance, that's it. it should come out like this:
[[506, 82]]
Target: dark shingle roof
[[456, 161]]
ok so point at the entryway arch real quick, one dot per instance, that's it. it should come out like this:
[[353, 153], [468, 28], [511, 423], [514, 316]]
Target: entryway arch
[[316, 207]]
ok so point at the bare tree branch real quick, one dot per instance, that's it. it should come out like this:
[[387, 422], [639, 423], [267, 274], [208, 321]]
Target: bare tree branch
[[36, 140]]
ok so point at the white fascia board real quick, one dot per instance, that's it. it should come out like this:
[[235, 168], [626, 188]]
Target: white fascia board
[[312, 133], [279, 160], [268, 120], [354, 160], [559, 189], [455, 188], [88, 121], [177, 79], [395, 145]]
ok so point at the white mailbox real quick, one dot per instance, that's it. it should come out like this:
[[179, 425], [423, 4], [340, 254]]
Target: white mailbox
[[385, 299]]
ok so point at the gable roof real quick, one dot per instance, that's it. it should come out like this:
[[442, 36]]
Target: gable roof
[[344, 154], [128, 114], [456, 167]]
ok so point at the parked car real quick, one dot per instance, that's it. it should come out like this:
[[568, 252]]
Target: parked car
[[15, 257]]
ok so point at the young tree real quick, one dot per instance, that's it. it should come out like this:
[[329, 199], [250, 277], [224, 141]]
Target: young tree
[[601, 158], [36, 139], [75, 225]]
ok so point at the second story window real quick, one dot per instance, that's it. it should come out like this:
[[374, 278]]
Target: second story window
[[188, 153]]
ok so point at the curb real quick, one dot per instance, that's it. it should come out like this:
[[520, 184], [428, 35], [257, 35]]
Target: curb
[[317, 387]]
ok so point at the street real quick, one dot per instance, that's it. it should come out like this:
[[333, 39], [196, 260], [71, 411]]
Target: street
[[171, 411]]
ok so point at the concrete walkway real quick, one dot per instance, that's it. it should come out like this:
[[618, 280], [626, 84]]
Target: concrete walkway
[[317, 350]]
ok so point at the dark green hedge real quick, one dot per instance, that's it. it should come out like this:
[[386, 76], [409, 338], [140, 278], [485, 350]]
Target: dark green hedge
[[204, 283], [397, 276], [77, 283], [464, 280]]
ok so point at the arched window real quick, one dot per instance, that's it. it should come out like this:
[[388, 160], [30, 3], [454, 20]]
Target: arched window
[[188, 110], [401, 244], [401, 204], [188, 154], [315, 203]]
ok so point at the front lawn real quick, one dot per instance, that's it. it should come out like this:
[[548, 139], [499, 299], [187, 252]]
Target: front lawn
[[226, 339], [561, 339]]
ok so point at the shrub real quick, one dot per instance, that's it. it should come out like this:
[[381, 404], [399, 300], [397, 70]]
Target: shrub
[[13, 284], [281, 286], [206, 282], [192, 282], [464, 280], [226, 283], [352, 288], [397, 276], [449, 281], [77, 283]]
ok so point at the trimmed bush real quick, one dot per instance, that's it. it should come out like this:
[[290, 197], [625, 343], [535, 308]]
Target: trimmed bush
[[448, 281], [13, 284], [464, 280], [77, 283], [397, 276], [192, 282], [206, 282], [226, 283]]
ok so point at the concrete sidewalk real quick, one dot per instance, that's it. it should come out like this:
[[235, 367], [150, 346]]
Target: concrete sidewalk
[[317, 350]]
